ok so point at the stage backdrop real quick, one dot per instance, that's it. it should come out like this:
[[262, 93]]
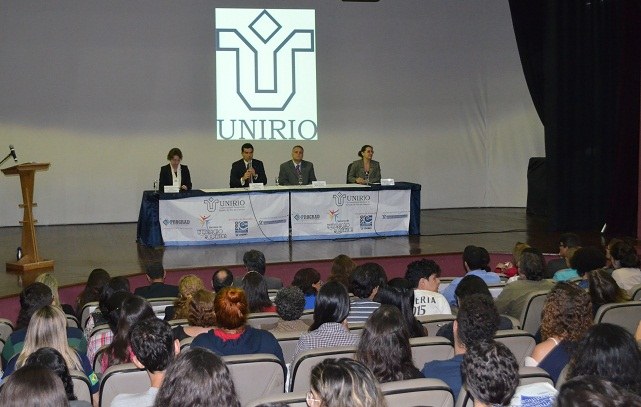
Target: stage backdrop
[[102, 90]]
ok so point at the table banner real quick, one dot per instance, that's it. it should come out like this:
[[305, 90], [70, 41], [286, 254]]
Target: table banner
[[334, 214], [244, 217]]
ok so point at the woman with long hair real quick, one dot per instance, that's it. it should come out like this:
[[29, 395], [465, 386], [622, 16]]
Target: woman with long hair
[[197, 378], [403, 300], [385, 346], [344, 383], [256, 292], [96, 280], [309, 281], [187, 286], [342, 267], [604, 290], [33, 386], [201, 316]]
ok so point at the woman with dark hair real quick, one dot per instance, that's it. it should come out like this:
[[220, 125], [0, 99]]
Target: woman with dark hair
[[33, 298], [610, 352], [584, 391], [566, 317], [329, 327], [96, 280], [309, 281], [201, 317], [403, 300], [33, 386], [197, 378], [256, 292], [385, 346], [51, 359], [344, 383], [100, 315], [625, 261], [110, 314], [232, 335], [342, 267], [174, 173], [586, 259], [134, 309], [364, 170], [604, 290]]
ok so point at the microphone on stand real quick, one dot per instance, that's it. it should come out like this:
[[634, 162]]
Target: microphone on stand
[[13, 153]]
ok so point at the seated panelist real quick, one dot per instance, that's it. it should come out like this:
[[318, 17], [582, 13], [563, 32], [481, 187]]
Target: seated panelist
[[247, 170], [174, 173], [365, 171], [297, 171]]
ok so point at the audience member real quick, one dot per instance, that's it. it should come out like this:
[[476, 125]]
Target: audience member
[[477, 320], [364, 283], [611, 353], [566, 317], [468, 286], [47, 329], [222, 278], [385, 346], [197, 378], [343, 383], [256, 292], [290, 304], [233, 336], [626, 265], [96, 280], [568, 273], [157, 287], [330, 321], [566, 241], [476, 262], [490, 373], [342, 267], [401, 282], [608, 254], [134, 309], [424, 275], [254, 260], [309, 281], [510, 269], [50, 281], [402, 299], [201, 317], [153, 347], [604, 290], [100, 315], [585, 260], [110, 310], [33, 298], [33, 386], [513, 298], [187, 286], [51, 359], [583, 391]]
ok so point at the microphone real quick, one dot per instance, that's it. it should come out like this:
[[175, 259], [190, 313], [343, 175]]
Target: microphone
[[13, 153]]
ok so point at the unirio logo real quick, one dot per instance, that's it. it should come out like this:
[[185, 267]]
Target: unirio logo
[[265, 74]]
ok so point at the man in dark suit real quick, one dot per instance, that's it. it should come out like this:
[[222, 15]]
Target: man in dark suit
[[157, 287], [247, 170], [297, 171], [254, 260]]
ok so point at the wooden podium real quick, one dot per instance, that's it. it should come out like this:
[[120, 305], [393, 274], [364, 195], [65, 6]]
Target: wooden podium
[[30, 259]]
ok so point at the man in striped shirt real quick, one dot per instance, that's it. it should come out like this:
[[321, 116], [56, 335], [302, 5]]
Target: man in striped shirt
[[364, 283]]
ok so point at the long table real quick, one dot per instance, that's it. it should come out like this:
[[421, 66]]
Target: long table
[[279, 213]]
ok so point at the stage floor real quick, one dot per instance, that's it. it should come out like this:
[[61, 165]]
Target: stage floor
[[77, 249]]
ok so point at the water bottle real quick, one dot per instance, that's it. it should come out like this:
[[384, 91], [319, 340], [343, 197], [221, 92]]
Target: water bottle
[[155, 186]]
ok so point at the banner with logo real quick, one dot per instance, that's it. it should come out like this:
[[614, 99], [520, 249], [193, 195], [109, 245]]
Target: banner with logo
[[245, 217], [334, 214]]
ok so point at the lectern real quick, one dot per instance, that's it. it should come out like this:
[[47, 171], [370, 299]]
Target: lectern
[[30, 259]]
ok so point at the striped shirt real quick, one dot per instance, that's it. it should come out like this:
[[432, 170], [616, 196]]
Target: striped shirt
[[360, 309]]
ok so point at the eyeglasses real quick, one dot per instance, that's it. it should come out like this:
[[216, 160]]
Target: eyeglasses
[[310, 399]]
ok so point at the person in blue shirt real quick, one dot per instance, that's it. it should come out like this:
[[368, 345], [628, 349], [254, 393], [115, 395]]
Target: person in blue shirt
[[476, 261], [309, 281]]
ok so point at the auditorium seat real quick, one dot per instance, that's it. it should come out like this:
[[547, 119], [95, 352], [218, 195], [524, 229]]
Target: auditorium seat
[[625, 314], [301, 368], [255, 376], [178, 322], [95, 363], [530, 319], [356, 327], [87, 309], [81, 386], [160, 304], [125, 378], [520, 342], [6, 329], [287, 342], [635, 292], [72, 322], [428, 348], [434, 322], [258, 319], [297, 399], [418, 392], [185, 343]]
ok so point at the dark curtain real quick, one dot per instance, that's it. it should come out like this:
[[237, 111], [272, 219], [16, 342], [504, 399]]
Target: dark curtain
[[581, 60]]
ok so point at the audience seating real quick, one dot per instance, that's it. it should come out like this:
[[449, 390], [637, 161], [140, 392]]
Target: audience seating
[[301, 368], [87, 309], [185, 343], [159, 305], [635, 292], [95, 363], [6, 329], [530, 319], [520, 342], [625, 314], [297, 399], [434, 322], [418, 392], [287, 342], [527, 375], [356, 327], [563, 377], [178, 322], [72, 322], [125, 378], [258, 319], [428, 348], [81, 385], [256, 375]]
